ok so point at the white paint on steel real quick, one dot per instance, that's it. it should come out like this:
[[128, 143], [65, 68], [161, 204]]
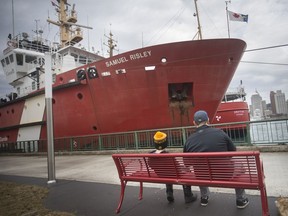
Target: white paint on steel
[[33, 111]]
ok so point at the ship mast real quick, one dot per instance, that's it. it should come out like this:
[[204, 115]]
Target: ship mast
[[68, 35], [199, 32], [111, 44]]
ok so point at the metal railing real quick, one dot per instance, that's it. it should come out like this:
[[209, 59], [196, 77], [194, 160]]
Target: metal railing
[[242, 133]]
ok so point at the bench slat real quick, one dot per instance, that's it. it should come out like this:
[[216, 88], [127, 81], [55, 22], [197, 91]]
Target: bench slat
[[214, 169]]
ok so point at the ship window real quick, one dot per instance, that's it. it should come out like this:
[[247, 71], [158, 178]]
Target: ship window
[[82, 59], [19, 58], [3, 62], [164, 60], [11, 58], [106, 73], [18, 90], [54, 78], [80, 96], [30, 59], [120, 71], [150, 68], [7, 60], [75, 56]]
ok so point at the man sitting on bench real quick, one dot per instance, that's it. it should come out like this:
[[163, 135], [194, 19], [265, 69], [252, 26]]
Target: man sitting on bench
[[208, 139]]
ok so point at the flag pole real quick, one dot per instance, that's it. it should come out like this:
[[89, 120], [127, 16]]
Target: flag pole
[[13, 24], [226, 2]]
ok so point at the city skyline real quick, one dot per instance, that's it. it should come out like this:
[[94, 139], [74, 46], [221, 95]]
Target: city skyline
[[277, 106]]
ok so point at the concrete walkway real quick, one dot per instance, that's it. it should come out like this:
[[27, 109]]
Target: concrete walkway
[[89, 185]]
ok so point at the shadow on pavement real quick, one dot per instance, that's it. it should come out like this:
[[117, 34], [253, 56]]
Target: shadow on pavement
[[99, 199]]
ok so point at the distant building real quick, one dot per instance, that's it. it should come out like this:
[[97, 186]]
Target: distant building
[[256, 104], [278, 108], [280, 103], [272, 100], [267, 113], [264, 109], [264, 105], [257, 115]]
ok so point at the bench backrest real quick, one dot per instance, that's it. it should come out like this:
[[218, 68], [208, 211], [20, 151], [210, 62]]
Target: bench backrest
[[224, 169]]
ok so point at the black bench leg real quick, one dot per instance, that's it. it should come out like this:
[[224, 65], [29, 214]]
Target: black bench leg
[[123, 186]]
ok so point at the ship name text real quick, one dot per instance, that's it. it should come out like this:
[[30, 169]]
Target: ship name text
[[131, 57]]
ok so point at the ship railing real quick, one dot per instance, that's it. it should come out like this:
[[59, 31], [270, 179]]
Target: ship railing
[[253, 133], [23, 91], [38, 43], [28, 146], [36, 63]]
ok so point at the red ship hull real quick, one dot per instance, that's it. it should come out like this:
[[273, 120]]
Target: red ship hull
[[233, 112], [123, 96], [230, 112]]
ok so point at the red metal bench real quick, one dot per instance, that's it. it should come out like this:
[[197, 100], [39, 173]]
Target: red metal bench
[[214, 169]]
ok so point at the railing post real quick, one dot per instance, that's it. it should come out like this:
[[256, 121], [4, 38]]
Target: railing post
[[100, 142], [183, 135], [269, 133], [136, 140], [248, 133], [71, 144]]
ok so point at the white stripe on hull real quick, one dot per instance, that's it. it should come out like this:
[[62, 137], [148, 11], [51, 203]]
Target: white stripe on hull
[[33, 112], [29, 133]]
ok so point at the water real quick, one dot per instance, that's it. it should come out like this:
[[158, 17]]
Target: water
[[269, 132]]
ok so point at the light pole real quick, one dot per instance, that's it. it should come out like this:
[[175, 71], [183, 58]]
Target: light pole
[[49, 121]]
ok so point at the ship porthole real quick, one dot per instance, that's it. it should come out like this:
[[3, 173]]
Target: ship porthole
[[94, 128], [53, 101], [61, 79], [163, 60], [80, 96], [12, 111]]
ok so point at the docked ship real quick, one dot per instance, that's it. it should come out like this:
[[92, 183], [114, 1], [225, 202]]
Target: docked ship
[[233, 112], [160, 86]]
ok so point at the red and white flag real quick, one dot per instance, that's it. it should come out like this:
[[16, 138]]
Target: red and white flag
[[237, 17]]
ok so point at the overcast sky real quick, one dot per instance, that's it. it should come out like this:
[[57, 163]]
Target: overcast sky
[[143, 23]]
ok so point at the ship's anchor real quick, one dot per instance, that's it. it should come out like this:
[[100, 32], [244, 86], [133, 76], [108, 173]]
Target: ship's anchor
[[179, 101]]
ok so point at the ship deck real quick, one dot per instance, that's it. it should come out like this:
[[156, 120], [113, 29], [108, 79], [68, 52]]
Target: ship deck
[[89, 185]]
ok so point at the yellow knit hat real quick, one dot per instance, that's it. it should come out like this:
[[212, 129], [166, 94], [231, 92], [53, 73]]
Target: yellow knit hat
[[160, 140]]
